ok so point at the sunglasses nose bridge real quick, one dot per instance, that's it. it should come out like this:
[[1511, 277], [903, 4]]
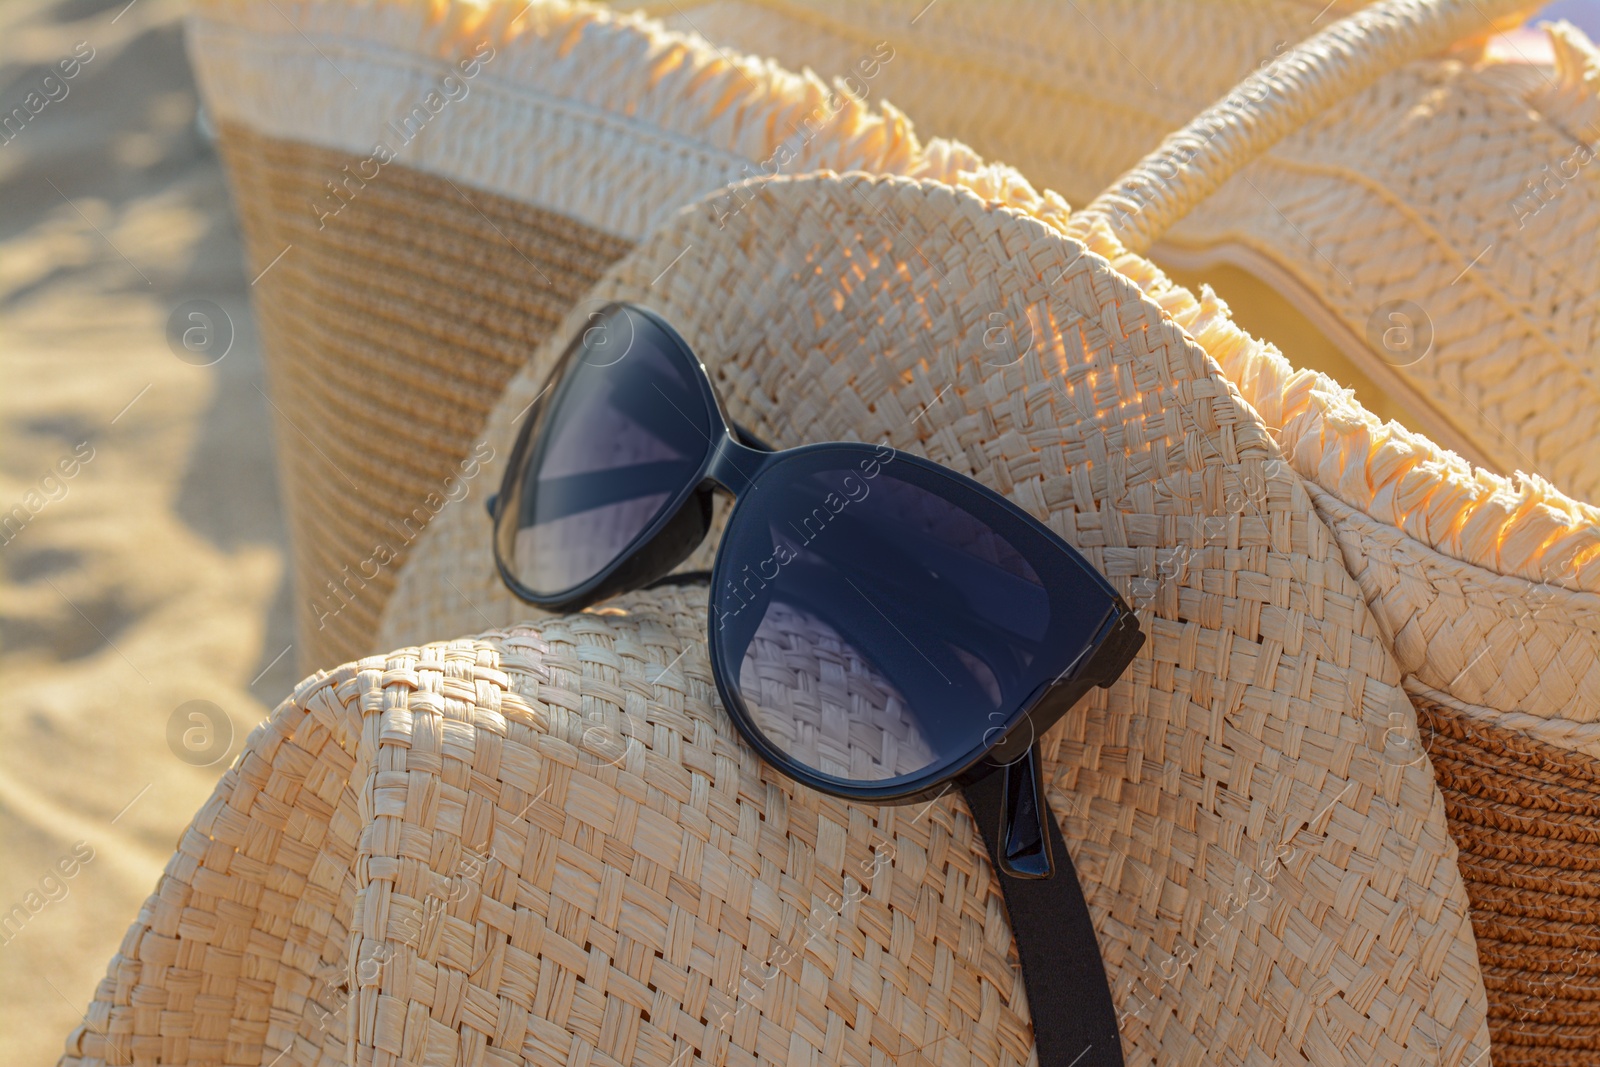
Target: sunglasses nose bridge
[[734, 466]]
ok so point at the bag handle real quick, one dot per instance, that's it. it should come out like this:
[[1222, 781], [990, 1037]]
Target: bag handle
[[1337, 63]]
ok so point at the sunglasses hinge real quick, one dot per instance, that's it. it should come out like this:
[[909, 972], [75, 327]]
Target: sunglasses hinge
[[733, 465]]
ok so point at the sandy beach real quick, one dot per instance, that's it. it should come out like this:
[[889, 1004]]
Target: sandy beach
[[151, 575]]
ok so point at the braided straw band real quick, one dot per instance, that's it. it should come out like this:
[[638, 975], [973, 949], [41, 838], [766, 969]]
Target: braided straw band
[[1247, 741], [1348, 56], [378, 340], [1528, 819]]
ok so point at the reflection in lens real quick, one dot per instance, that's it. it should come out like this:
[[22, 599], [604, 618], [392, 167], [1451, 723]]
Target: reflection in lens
[[880, 628], [818, 699], [620, 438]]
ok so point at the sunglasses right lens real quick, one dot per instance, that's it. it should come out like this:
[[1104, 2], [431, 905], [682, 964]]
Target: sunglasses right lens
[[620, 436]]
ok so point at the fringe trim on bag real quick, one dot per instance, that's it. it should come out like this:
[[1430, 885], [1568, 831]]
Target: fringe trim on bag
[[1573, 102], [1521, 526], [730, 110]]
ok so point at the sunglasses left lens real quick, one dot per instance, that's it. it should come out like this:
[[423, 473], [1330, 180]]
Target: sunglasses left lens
[[620, 435], [879, 621]]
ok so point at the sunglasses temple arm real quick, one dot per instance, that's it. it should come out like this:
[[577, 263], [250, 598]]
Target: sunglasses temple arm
[[1024, 836], [1055, 934]]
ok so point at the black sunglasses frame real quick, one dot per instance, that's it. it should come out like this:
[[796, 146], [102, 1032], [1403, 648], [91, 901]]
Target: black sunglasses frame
[[734, 462]]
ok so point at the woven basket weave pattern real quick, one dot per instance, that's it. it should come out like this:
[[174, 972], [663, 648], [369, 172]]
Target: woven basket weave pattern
[[548, 846], [1166, 827]]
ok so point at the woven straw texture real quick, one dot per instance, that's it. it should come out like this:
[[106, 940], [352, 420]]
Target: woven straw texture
[[1517, 657], [1179, 790], [548, 846], [256, 69], [1496, 638], [1447, 557], [1461, 185]]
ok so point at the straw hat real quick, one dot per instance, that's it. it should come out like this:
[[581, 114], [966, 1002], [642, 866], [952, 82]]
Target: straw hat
[[1485, 588], [1266, 883], [1437, 226]]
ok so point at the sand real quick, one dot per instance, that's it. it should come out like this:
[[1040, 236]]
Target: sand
[[155, 574]]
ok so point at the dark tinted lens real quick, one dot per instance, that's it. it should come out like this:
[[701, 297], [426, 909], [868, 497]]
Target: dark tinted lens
[[621, 436], [879, 627]]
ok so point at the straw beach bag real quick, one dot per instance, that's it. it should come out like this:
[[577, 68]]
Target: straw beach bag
[[547, 845], [1438, 225]]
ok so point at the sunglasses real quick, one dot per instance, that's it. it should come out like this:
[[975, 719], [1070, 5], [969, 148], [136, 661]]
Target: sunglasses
[[881, 628]]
